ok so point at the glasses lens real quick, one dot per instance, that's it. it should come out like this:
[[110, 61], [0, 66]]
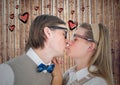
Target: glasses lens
[[83, 37], [62, 28], [65, 34]]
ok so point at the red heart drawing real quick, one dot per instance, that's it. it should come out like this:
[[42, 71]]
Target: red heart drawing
[[60, 10], [24, 17], [72, 12], [48, 6], [72, 25], [11, 16], [17, 6], [83, 9], [36, 8], [11, 27]]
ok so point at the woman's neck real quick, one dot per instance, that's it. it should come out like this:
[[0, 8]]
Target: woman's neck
[[80, 64]]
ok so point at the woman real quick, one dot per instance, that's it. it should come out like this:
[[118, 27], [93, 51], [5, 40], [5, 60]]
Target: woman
[[90, 49]]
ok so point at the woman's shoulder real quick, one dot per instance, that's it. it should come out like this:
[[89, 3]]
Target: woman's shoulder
[[96, 81]]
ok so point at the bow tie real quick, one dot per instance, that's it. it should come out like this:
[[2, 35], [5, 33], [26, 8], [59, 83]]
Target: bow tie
[[43, 67]]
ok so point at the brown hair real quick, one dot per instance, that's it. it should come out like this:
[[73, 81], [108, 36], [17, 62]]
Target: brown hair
[[102, 57], [36, 34]]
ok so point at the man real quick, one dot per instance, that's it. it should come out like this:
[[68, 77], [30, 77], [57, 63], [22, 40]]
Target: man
[[47, 39]]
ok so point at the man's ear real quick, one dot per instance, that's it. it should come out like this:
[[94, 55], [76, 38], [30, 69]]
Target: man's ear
[[47, 32], [92, 46]]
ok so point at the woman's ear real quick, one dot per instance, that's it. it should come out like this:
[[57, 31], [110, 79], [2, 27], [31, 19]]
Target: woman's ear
[[92, 46], [47, 32]]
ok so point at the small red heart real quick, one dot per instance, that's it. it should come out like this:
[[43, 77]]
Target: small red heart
[[24, 17], [72, 25], [48, 6], [36, 8], [83, 8], [17, 6], [11, 27], [72, 12], [60, 10], [11, 16]]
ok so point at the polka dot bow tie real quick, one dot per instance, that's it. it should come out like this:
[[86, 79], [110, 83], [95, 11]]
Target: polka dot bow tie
[[48, 68]]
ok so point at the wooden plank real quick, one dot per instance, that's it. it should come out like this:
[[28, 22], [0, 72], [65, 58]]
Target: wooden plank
[[40, 7], [33, 12], [116, 25], [111, 30], [105, 12], [4, 32], [81, 10], [12, 34], [47, 10], [99, 10], [93, 10], [1, 10], [28, 24], [17, 28], [54, 7], [7, 30], [60, 6], [78, 11], [22, 27], [87, 12]]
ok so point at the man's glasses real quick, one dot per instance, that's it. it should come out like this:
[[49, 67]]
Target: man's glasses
[[62, 28], [83, 37]]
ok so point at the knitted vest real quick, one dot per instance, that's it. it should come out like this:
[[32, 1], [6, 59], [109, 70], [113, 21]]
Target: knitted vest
[[25, 72], [80, 82]]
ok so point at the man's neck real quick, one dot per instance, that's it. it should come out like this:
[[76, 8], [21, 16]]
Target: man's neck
[[44, 55]]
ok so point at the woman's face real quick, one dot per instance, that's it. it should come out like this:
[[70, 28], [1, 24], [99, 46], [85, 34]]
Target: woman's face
[[78, 45]]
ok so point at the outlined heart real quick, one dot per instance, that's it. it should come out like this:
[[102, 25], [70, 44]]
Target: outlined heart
[[24, 17], [11, 16], [17, 6], [11, 27], [60, 10], [48, 6], [72, 24], [72, 12], [36, 8]]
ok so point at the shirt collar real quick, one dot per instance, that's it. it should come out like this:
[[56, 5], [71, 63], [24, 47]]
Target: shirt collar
[[36, 59], [82, 73], [79, 74]]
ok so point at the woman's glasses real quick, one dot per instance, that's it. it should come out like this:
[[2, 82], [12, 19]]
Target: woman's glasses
[[83, 37]]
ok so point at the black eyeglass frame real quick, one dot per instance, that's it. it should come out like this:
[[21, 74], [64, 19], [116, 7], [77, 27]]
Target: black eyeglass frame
[[61, 28], [83, 37]]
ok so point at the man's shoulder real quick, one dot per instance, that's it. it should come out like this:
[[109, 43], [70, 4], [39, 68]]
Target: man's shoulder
[[4, 66], [6, 75], [16, 59]]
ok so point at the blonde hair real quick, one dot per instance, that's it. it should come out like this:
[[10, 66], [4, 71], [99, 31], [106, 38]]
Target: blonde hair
[[102, 57]]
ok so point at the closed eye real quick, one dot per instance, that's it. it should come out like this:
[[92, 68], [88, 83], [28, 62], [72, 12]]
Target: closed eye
[[75, 39]]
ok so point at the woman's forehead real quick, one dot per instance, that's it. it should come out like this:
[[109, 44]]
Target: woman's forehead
[[80, 30]]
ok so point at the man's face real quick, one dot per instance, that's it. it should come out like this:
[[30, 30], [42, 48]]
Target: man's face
[[58, 42]]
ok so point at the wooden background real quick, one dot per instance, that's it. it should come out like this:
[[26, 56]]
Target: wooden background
[[12, 43]]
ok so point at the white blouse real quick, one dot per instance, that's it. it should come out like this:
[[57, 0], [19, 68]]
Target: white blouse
[[75, 76]]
